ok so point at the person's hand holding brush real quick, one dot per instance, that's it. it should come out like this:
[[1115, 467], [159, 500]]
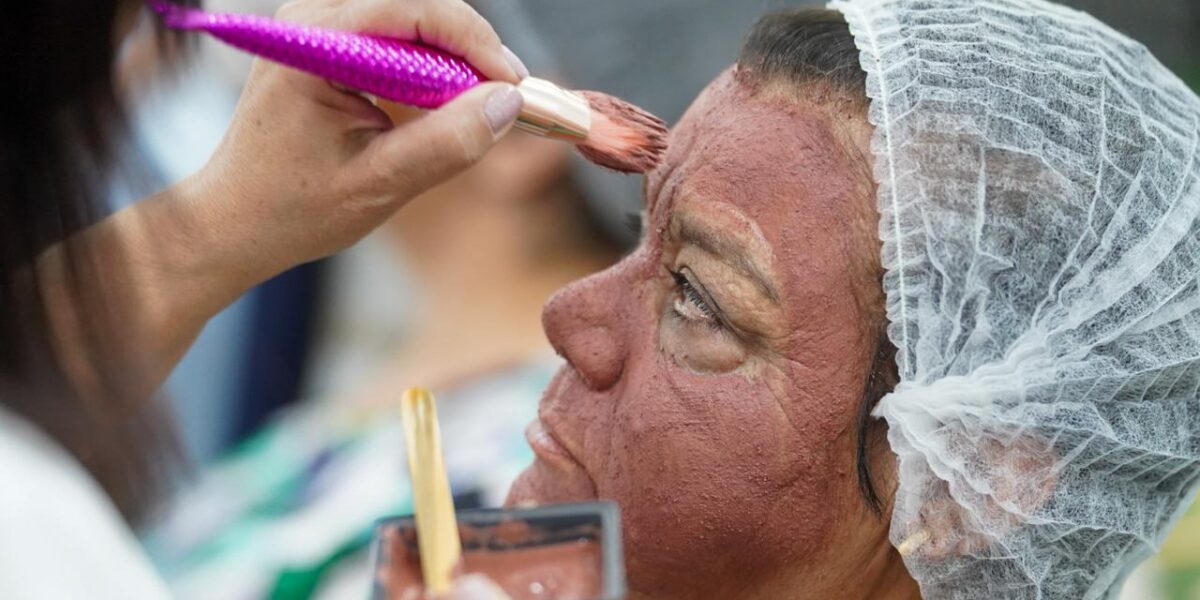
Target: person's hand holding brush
[[312, 167], [306, 169], [309, 168]]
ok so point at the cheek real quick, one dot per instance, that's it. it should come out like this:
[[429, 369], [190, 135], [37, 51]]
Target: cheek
[[711, 466], [715, 431]]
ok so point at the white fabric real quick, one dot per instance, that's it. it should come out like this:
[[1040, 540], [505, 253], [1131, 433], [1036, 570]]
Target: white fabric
[[60, 537], [1039, 192]]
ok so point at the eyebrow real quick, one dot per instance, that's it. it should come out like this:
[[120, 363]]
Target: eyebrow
[[728, 249]]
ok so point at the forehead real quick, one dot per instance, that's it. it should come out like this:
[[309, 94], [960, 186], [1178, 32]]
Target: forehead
[[782, 163]]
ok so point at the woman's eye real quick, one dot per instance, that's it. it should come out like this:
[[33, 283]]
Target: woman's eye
[[690, 305]]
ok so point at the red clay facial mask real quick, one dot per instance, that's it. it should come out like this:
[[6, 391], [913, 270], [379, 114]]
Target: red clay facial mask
[[722, 419]]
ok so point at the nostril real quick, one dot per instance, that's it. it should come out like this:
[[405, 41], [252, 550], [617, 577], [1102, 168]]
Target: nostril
[[583, 325], [596, 356]]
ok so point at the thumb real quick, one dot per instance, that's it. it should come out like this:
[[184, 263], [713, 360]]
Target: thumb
[[439, 144]]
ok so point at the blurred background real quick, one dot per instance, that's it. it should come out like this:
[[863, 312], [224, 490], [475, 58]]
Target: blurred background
[[287, 401]]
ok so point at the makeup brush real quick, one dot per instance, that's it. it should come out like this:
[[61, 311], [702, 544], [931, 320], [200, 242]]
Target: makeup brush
[[437, 530], [607, 131]]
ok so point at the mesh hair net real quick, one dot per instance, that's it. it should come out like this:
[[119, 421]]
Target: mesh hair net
[[1039, 188]]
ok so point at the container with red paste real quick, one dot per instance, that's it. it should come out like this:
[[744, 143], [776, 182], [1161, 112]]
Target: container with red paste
[[558, 552]]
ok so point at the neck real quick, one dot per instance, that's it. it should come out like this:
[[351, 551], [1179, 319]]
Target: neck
[[883, 576], [878, 574], [857, 562]]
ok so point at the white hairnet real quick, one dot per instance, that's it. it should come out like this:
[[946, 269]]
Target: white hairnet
[[1038, 187]]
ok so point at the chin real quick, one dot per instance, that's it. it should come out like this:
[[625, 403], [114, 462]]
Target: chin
[[542, 483]]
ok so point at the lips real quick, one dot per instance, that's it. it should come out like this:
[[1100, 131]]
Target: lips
[[547, 447], [555, 477], [558, 474]]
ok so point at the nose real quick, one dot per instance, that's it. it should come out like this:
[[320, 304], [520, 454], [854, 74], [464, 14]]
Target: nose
[[583, 323]]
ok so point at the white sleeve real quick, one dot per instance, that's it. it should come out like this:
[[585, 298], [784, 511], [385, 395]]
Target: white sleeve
[[60, 536]]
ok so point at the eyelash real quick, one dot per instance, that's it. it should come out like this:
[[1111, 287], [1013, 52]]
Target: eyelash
[[633, 221], [692, 295]]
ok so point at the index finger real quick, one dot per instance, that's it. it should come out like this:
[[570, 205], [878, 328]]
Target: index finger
[[449, 25]]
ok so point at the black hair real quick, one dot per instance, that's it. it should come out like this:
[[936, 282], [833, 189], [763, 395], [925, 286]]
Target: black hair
[[60, 136], [814, 48], [804, 46]]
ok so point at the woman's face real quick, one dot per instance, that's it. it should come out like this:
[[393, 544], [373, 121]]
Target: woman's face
[[714, 375]]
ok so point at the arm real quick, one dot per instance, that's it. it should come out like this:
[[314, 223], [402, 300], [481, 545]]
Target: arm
[[304, 171]]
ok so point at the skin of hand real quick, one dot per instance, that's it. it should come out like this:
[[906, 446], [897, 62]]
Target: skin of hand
[[475, 587], [304, 170]]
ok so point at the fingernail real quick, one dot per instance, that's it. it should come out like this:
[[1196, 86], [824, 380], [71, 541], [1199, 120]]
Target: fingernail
[[515, 62], [502, 108]]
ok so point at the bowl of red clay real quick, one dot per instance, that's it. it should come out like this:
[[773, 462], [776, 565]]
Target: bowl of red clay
[[554, 552]]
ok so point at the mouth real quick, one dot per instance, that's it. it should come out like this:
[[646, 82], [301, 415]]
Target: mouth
[[557, 474], [547, 447]]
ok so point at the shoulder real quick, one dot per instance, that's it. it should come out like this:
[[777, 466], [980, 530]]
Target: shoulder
[[60, 537]]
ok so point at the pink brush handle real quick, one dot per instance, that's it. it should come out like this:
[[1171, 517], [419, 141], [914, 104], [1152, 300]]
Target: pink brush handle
[[403, 72]]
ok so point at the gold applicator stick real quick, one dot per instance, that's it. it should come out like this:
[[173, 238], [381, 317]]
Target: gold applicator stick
[[437, 529]]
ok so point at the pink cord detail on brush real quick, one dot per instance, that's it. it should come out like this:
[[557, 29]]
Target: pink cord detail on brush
[[405, 72]]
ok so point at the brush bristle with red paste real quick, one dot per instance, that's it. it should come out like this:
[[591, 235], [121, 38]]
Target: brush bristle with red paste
[[622, 136]]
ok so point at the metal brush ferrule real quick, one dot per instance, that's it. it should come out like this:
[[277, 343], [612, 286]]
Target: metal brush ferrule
[[553, 112]]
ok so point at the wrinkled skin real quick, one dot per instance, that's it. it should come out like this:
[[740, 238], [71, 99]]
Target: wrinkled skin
[[726, 434]]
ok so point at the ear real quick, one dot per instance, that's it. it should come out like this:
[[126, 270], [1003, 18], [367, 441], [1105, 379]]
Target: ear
[[1010, 478], [1023, 473]]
